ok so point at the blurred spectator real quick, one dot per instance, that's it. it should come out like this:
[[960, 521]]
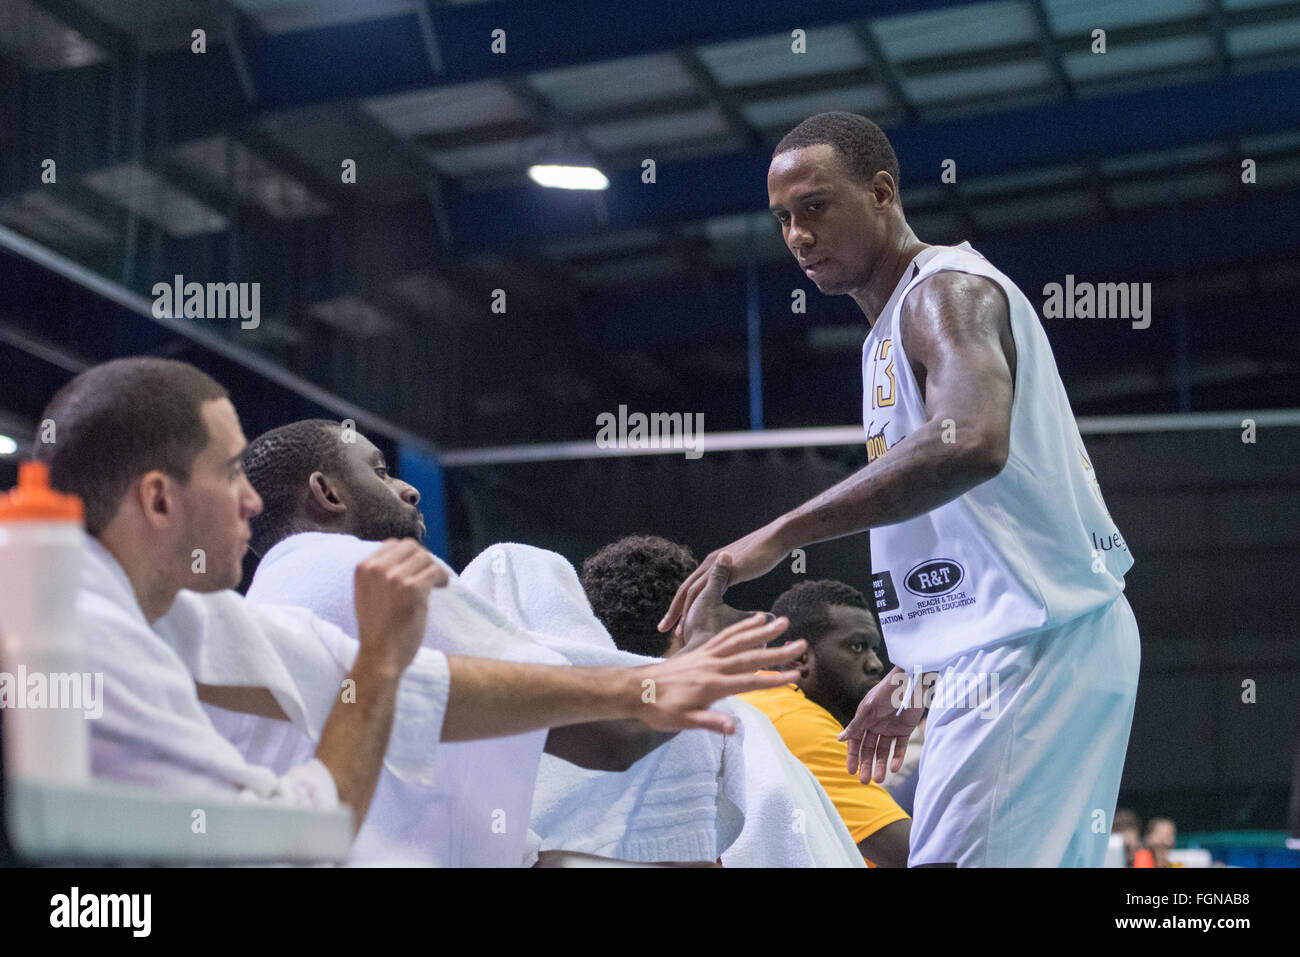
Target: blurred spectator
[[1161, 837], [1129, 826]]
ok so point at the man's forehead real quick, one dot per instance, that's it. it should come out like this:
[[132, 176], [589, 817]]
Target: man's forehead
[[852, 618], [809, 166], [361, 448]]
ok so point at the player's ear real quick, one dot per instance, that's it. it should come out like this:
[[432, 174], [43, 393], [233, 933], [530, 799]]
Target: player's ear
[[883, 187], [323, 494], [155, 494], [804, 662]]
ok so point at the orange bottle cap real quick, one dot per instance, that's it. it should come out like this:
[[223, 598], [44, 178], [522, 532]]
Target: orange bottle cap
[[32, 499], [1143, 858]]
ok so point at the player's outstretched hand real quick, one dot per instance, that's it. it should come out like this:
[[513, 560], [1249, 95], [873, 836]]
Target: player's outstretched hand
[[878, 726], [710, 614], [754, 555], [676, 694]]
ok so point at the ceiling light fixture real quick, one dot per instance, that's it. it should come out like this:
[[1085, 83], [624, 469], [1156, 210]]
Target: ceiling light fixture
[[568, 177]]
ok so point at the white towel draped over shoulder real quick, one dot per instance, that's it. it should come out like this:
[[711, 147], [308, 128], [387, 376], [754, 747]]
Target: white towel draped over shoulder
[[664, 807], [701, 795], [154, 731], [469, 806], [789, 820]]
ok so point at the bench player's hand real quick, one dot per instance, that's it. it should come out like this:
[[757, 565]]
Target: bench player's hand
[[676, 694], [879, 726]]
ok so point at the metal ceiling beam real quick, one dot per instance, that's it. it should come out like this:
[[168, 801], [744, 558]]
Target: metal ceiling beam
[[387, 55], [1116, 38], [97, 30], [1065, 90], [884, 68], [1038, 136], [731, 106], [1045, 45], [137, 306], [1222, 58]]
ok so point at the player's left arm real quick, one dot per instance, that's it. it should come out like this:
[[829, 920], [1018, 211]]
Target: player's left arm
[[955, 331]]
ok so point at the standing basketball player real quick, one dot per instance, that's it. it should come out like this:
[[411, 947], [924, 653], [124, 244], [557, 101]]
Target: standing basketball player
[[997, 571]]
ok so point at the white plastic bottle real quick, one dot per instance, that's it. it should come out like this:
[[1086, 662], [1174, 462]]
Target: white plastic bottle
[[45, 693]]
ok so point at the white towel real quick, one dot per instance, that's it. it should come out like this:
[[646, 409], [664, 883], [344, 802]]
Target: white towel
[[472, 810], [225, 639], [789, 820], [153, 730], [764, 808], [664, 807]]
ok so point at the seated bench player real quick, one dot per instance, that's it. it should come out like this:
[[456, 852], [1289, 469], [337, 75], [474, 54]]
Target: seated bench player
[[328, 499], [630, 584], [154, 449]]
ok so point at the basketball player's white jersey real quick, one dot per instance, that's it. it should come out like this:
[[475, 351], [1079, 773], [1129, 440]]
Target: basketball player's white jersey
[[1026, 551]]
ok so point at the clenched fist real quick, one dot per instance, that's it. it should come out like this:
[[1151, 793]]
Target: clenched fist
[[392, 601]]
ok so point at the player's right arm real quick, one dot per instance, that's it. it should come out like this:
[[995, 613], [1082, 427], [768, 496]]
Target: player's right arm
[[491, 698], [956, 333], [617, 745], [392, 596]]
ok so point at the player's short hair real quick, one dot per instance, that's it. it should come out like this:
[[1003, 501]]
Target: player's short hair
[[808, 606], [861, 144], [278, 463], [116, 421], [630, 583]]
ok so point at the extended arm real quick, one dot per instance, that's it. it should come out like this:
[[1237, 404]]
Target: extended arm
[[956, 333], [953, 327], [491, 698]]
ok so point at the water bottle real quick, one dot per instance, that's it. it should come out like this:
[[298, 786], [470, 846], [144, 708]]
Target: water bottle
[[46, 697]]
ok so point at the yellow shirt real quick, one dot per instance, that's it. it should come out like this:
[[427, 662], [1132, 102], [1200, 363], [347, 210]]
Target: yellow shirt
[[810, 733]]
